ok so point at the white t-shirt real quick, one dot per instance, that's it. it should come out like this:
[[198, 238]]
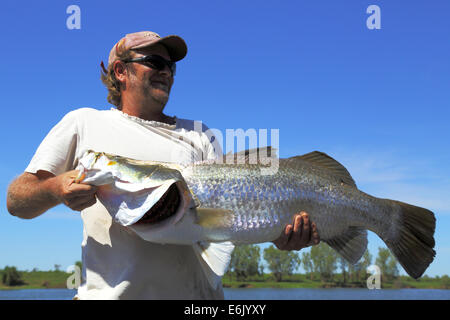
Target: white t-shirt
[[118, 264]]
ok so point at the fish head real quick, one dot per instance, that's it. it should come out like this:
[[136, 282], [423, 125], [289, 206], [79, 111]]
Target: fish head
[[95, 168], [138, 194], [176, 227]]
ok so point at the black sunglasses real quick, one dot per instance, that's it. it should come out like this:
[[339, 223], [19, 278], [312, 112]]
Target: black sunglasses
[[155, 62]]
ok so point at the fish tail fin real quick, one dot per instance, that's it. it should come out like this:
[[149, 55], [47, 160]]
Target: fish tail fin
[[412, 241]]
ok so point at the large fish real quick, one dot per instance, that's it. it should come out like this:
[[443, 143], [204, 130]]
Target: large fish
[[214, 206]]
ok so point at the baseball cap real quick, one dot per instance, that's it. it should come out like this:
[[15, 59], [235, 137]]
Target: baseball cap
[[133, 41]]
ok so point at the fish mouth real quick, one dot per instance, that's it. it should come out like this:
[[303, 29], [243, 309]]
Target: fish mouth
[[166, 207]]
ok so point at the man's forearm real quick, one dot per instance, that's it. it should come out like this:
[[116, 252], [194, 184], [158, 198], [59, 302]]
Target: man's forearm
[[28, 196]]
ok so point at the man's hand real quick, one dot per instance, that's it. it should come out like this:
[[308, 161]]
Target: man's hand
[[31, 194], [301, 234], [76, 196]]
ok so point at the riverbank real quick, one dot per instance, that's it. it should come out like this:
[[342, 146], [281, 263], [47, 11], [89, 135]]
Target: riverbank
[[58, 279], [303, 281], [40, 280]]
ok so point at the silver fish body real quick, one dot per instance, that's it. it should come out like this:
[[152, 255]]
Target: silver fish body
[[261, 205], [235, 203]]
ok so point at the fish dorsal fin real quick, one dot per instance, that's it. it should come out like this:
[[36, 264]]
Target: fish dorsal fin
[[250, 156], [323, 160]]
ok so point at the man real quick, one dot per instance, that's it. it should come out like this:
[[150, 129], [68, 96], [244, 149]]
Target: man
[[117, 263]]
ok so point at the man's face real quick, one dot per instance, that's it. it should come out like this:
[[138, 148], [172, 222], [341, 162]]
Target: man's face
[[150, 83]]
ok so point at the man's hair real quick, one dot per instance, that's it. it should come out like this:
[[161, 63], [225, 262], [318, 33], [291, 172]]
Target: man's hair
[[112, 84]]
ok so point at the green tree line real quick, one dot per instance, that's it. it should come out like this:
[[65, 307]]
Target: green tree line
[[11, 277], [321, 263], [322, 266]]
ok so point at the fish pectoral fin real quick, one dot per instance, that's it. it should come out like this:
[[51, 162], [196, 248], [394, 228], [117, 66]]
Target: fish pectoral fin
[[214, 259], [351, 245], [324, 161], [197, 202], [214, 217]]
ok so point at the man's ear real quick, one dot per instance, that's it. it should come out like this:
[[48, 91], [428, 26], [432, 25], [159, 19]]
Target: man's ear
[[120, 71]]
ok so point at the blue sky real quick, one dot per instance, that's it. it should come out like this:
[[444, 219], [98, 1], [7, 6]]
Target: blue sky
[[376, 100]]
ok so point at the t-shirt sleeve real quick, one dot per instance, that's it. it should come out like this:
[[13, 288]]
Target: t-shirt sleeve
[[56, 153]]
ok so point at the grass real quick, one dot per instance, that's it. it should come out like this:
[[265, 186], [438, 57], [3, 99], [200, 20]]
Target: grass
[[40, 280], [57, 279], [304, 281]]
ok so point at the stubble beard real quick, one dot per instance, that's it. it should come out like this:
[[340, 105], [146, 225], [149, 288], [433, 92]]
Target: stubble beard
[[155, 96], [157, 93], [153, 93]]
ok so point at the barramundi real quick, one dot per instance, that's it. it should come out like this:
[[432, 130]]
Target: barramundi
[[214, 205]]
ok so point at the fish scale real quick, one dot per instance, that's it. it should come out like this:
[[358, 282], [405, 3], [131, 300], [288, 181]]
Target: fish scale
[[234, 202], [290, 197]]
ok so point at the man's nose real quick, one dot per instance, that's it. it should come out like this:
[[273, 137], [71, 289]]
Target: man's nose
[[166, 71]]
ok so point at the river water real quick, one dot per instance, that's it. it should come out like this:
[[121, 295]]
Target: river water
[[264, 294]]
